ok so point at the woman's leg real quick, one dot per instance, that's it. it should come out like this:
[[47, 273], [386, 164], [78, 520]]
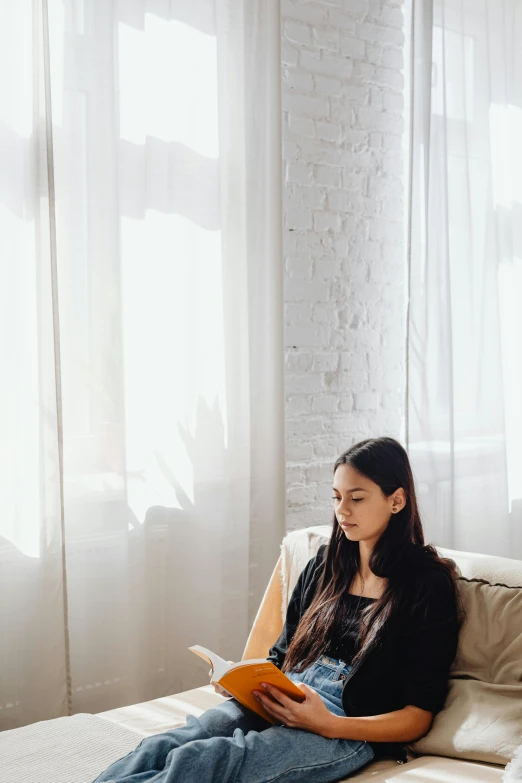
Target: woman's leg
[[150, 756], [275, 754]]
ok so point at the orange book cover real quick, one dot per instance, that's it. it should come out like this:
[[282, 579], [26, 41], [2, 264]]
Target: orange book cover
[[241, 678]]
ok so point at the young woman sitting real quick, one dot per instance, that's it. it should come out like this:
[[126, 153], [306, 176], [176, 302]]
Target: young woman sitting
[[370, 634]]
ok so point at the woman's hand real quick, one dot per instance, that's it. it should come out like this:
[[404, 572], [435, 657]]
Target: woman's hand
[[218, 688], [310, 714]]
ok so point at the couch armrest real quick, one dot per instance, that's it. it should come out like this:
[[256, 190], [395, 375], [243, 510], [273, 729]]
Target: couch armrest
[[268, 624]]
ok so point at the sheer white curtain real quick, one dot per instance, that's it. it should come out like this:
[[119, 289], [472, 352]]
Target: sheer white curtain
[[141, 401], [464, 399]]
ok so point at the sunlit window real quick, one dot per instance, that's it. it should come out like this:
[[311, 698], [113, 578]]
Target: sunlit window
[[136, 174]]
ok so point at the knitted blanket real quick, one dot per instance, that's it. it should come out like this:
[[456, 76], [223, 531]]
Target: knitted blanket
[[64, 750]]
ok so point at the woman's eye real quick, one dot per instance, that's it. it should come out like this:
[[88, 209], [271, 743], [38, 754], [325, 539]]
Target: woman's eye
[[357, 500]]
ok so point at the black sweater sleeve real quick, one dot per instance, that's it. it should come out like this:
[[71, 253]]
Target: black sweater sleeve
[[430, 646], [300, 599]]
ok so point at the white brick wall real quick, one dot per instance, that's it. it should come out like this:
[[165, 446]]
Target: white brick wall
[[344, 252]]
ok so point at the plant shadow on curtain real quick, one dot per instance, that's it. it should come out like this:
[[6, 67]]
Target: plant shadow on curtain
[[141, 506], [464, 417]]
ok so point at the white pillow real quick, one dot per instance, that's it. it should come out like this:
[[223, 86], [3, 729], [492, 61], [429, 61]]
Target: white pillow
[[513, 771], [482, 716]]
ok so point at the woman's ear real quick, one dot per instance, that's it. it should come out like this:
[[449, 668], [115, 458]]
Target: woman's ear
[[398, 500]]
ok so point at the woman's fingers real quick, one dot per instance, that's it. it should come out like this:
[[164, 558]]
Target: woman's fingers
[[272, 707], [276, 704], [221, 691], [278, 696]]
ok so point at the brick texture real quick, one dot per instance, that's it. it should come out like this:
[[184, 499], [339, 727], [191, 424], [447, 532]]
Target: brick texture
[[344, 250]]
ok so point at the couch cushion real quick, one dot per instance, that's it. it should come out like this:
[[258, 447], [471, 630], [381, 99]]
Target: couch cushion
[[482, 716], [158, 715], [296, 550], [428, 769]]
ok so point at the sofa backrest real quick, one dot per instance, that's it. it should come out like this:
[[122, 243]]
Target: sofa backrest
[[482, 716], [300, 545]]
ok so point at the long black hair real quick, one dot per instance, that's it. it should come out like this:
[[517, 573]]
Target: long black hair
[[399, 552]]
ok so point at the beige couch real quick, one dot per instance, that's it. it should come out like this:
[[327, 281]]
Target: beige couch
[[476, 734]]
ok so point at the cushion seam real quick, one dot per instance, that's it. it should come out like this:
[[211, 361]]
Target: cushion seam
[[491, 584]]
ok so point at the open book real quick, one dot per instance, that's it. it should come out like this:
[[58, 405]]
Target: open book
[[241, 678]]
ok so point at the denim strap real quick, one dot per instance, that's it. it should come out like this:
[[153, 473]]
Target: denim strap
[[339, 669]]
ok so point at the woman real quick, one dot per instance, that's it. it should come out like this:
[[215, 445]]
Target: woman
[[371, 631]]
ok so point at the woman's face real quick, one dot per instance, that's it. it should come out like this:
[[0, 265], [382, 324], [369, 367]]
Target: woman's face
[[361, 508]]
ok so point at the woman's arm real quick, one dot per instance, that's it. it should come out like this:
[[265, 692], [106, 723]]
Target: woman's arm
[[406, 725]]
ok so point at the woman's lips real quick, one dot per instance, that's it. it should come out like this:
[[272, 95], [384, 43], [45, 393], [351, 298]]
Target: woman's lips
[[347, 524]]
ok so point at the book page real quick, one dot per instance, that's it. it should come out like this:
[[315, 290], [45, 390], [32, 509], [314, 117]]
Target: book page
[[248, 662], [219, 665]]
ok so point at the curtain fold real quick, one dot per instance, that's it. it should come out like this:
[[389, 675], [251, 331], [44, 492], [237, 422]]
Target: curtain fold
[[142, 429], [463, 419]]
